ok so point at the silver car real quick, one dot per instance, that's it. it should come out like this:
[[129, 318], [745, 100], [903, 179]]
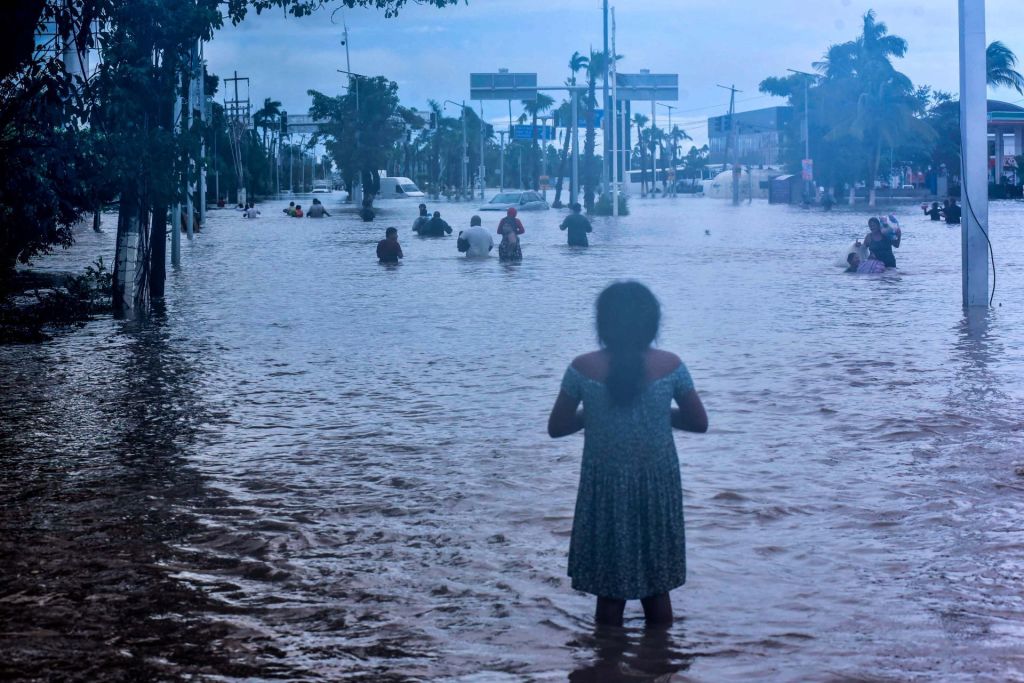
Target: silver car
[[520, 200]]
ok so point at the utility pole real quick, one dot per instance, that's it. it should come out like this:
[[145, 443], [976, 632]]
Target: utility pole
[[604, 89], [344, 41], [670, 191], [176, 208], [465, 149], [615, 128], [483, 166], [201, 83], [501, 180], [189, 106], [808, 192], [731, 145], [575, 183], [974, 224]]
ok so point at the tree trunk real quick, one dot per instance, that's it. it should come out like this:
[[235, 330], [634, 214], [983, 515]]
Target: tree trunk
[[126, 252], [158, 252], [561, 170], [588, 150], [876, 156]]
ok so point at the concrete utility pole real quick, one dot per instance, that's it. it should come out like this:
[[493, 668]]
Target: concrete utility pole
[[190, 227], [615, 132], [176, 207], [732, 143], [974, 236], [201, 83], [604, 89]]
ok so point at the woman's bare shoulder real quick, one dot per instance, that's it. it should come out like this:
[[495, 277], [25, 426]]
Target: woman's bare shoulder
[[660, 363], [593, 364]]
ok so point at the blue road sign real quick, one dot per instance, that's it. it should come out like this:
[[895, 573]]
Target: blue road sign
[[525, 132], [582, 122]]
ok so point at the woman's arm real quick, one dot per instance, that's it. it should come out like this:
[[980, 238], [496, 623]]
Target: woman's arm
[[690, 416], [565, 419]]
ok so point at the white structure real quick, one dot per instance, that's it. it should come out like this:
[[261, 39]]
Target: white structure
[[974, 135]]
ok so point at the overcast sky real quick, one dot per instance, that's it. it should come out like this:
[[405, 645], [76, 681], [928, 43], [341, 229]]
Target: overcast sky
[[430, 52]]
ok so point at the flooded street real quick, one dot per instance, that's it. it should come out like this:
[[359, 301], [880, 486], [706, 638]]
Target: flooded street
[[313, 467]]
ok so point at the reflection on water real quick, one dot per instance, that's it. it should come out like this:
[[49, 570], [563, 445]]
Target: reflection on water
[[315, 467]]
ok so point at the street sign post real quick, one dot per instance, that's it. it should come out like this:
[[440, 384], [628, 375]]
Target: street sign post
[[653, 87], [525, 132], [503, 86]]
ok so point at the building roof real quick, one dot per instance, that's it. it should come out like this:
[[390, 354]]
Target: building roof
[[996, 105], [1005, 115]]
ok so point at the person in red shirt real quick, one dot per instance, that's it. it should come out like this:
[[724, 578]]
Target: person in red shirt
[[388, 249], [298, 212], [510, 228]]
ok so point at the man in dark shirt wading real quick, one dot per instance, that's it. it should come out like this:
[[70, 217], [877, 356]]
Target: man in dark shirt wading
[[578, 226]]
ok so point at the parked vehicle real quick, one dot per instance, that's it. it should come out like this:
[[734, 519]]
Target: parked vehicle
[[397, 187], [520, 200]]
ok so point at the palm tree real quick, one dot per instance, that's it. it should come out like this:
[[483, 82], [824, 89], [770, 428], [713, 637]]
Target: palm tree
[[999, 66], [595, 68], [885, 105], [639, 120], [675, 136], [534, 108], [576, 64], [268, 118]]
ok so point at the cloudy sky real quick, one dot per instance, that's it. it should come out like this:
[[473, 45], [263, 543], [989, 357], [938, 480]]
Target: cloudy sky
[[430, 52]]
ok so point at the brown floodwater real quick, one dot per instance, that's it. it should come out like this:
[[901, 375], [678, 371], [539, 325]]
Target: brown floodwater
[[308, 466]]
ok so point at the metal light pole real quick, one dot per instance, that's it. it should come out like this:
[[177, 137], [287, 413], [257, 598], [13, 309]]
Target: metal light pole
[[604, 90], [974, 238], [483, 165], [672, 190], [575, 183], [807, 125], [355, 77], [465, 149], [501, 180]]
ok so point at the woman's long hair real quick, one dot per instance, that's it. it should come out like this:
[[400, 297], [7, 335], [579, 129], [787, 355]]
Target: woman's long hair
[[628, 315]]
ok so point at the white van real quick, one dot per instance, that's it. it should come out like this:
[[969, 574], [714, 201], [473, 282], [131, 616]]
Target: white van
[[398, 188]]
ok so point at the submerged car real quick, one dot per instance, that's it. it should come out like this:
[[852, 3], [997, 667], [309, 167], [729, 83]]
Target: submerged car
[[524, 200]]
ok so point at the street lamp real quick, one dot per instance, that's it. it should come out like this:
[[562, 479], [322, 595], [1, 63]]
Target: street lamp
[[807, 126], [672, 189], [356, 78], [465, 149]]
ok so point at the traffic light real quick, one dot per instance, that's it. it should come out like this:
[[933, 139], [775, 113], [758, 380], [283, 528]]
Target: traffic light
[[433, 121]]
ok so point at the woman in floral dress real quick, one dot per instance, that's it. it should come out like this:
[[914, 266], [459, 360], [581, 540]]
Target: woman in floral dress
[[627, 535]]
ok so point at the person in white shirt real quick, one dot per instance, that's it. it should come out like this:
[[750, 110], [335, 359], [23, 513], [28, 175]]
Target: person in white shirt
[[475, 241]]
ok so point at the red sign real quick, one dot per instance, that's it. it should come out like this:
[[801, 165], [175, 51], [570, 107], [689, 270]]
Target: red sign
[[807, 169]]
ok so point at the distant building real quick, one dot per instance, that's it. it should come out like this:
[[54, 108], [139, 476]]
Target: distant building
[[760, 136]]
